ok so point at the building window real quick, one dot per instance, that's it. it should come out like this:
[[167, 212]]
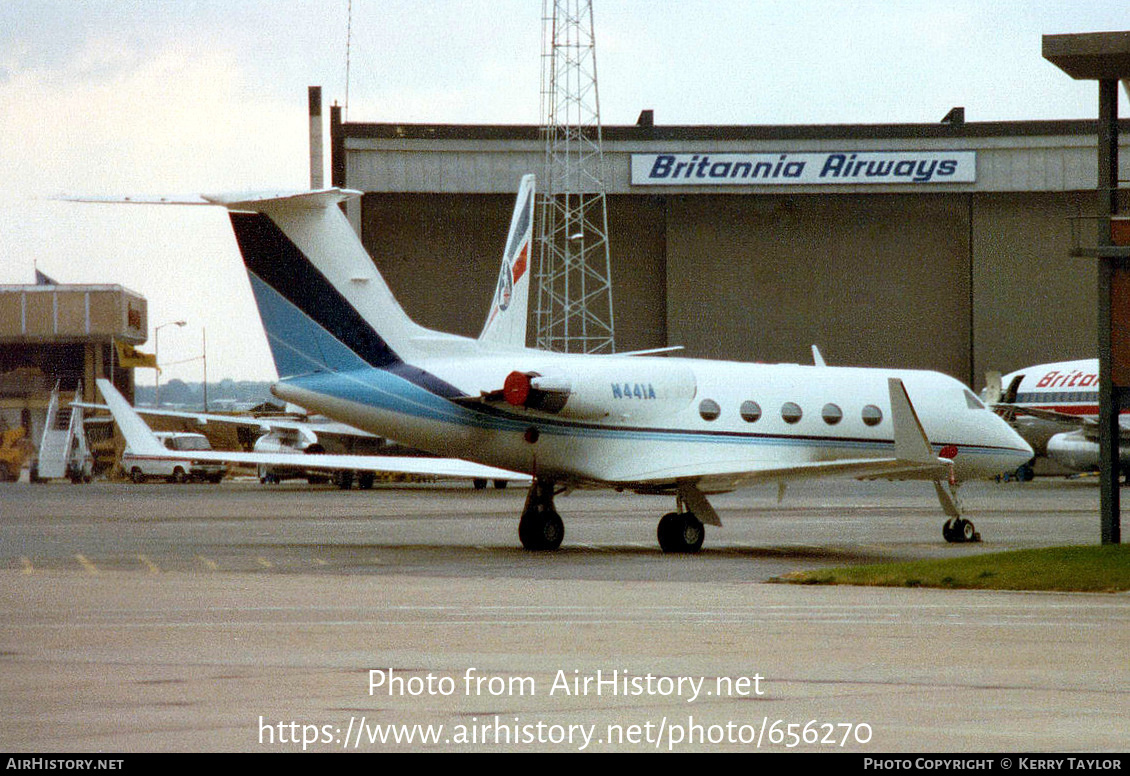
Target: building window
[[791, 412], [709, 409], [872, 415], [832, 414], [750, 411]]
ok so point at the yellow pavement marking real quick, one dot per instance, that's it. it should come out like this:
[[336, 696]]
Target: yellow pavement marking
[[26, 563], [211, 564], [264, 562], [149, 564], [86, 564]]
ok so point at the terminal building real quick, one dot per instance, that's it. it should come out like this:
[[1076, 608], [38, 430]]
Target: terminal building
[[62, 334], [938, 246]]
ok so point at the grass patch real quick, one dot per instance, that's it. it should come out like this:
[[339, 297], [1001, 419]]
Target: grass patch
[[1099, 569]]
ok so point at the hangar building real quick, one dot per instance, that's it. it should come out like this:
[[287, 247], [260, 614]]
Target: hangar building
[[941, 246]]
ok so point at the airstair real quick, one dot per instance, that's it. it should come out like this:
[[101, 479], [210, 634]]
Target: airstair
[[62, 450]]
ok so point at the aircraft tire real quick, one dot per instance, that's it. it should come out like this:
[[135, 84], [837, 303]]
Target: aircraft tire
[[540, 531], [968, 532], [958, 530], [680, 532], [136, 475]]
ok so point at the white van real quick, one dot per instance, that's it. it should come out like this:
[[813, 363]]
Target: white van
[[140, 467]]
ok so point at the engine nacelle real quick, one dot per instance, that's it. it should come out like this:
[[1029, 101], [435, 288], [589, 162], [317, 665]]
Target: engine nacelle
[[1077, 452], [620, 389]]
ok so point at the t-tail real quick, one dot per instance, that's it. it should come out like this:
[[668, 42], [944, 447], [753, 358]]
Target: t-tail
[[324, 305], [506, 323]]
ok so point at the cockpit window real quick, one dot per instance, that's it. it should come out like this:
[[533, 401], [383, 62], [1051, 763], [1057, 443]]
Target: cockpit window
[[972, 401]]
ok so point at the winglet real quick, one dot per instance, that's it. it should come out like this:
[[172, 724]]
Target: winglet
[[911, 443], [138, 435], [817, 357]]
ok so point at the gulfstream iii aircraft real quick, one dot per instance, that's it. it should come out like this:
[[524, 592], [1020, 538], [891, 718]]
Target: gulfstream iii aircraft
[[659, 425]]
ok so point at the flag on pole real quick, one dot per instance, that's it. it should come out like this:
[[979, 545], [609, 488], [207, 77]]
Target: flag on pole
[[130, 357]]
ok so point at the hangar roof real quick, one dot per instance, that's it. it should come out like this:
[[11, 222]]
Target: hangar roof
[[1004, 156], [981, 129]]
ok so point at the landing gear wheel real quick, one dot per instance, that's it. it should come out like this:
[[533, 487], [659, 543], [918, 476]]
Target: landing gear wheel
[[958, 530], [949, 530], [540, 528], [541, 531], [680, 532]]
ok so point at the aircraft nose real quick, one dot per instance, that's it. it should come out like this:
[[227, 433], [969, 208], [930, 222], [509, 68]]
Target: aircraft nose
[[1018, 450]]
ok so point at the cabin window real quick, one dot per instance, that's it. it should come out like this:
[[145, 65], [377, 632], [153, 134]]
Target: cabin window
[[832, 414], [872, 415], [750, 411], [709, 409], [791, 412]]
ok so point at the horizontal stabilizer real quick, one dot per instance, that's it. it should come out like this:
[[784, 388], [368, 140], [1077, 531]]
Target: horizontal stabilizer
[[245, 200], [262, 200]]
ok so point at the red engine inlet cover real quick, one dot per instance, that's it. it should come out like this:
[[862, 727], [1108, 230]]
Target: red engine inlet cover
[[516, 388]]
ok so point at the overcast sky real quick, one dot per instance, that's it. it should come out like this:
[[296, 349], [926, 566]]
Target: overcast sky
[[187, 97]]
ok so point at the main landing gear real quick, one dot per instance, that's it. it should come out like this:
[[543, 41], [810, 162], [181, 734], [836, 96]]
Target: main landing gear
[[540, 527], [680, 532]]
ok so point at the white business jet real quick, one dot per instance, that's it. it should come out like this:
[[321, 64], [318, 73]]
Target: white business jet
[[659, 425]]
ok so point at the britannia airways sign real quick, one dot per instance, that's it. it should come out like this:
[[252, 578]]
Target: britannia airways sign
[[821, 169]]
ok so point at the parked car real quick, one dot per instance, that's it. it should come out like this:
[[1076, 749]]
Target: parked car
[[140, 468]]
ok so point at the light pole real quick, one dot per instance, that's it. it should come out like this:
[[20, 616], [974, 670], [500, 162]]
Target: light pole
[[157, 358]]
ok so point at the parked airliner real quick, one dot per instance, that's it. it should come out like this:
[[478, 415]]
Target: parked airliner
[[682, 427], [1055, 407]]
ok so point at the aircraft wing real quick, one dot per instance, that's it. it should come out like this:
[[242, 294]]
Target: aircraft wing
[[1011, 410], [389, 464], [264, 424], [1088, 424], [144, 444], [723, 476]]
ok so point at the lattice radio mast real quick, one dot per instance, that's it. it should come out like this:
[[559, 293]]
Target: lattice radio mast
[[574, 277]]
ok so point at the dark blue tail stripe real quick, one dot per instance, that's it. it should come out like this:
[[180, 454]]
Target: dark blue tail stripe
[[273, 258]]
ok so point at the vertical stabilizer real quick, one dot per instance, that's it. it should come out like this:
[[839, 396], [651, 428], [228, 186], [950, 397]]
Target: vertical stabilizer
[[506, 323], [324, 305]]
